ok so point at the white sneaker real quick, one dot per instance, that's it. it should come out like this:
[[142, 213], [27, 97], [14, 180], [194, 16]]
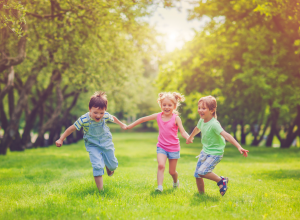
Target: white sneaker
[[159, 189], [176, 185]]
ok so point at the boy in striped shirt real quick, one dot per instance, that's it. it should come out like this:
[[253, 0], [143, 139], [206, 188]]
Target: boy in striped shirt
[[97, 137]]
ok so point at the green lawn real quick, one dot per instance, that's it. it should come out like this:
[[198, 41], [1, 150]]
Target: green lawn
[[57, 183]]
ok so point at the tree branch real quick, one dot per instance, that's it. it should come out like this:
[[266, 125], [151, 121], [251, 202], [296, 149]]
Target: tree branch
[[7, 62]]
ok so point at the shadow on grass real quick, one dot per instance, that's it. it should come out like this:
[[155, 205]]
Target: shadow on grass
[[203, 198], [91, 190], [156, 194], [279, 174]]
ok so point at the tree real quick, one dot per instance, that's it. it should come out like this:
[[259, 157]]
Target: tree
[[70, 46], [247, 56]]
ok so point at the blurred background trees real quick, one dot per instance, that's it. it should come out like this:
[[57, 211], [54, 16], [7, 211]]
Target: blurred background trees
[[248, 57], [55, 54], [71, 49]]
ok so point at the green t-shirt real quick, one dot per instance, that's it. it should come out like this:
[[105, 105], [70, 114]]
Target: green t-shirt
[[213, 142]]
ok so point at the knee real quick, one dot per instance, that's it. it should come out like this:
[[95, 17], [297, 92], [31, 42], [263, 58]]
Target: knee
[[202, 172], [172, 172], [97, 166], [161, 167], [112, 167]]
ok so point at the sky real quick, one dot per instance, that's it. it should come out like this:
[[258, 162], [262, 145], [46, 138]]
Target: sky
[[175, 26]]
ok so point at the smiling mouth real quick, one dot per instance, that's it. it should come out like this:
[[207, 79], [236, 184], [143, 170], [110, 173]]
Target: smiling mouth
[[97, 119]]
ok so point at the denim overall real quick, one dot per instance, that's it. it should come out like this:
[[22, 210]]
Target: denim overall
[[98, 142]]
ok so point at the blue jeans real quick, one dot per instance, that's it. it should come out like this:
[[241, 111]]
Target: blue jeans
[[170, 155], [101, 157]]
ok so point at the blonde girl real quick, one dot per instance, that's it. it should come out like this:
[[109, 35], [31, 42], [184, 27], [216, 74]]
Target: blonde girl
[[213, 141], [168, 146]]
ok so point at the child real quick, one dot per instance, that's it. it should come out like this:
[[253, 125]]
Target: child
[[168, 142], [213, 144], [97, 137]]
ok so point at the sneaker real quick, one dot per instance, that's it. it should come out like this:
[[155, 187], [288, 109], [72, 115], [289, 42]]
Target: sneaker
[[158, 189], [176, 185], [109, 173]]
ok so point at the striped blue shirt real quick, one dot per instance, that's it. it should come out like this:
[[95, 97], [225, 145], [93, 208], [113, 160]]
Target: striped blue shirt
[[83, 121]]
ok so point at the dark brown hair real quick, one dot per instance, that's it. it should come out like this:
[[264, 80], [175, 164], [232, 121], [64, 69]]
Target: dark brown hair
[[98, 100]]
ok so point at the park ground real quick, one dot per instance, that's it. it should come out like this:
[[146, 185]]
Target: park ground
[[57, 183]]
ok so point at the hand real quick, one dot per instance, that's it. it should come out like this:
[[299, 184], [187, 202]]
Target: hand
[[243, 151], [59, 143], [124, 126], [189, 140]]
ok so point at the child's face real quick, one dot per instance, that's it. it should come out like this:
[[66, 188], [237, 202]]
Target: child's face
[[167, 106], [204, 112], [97, 113]]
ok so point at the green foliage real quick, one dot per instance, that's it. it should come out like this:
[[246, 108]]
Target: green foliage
[[57, 183], [12, 15], [246, 56]]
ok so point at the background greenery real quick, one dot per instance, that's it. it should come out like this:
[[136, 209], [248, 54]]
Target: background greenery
[[57, 183], [55, 54]]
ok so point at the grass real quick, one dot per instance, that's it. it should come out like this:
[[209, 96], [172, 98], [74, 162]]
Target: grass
[[57, 183]]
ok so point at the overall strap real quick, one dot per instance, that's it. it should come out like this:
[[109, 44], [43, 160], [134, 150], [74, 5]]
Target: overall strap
[[88, 116]]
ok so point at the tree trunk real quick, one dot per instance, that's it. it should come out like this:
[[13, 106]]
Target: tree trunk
[[11, 137], [274, 119], [234, 129], [291, 134], [54, 118], [38, 106], [271, 136], [257, 139], [243, 134]]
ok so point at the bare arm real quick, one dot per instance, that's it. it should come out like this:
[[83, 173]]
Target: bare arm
[[67, 132], [193, 134], [183, 133], [229, 138], [141, 120], [117, 121]]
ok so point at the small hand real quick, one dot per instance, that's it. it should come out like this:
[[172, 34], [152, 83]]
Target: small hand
[[244, 152], [124, 126], [59, 143], [189, 140]]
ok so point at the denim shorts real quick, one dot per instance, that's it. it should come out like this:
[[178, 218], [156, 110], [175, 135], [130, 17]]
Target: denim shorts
[[206, 163], [170, 155]]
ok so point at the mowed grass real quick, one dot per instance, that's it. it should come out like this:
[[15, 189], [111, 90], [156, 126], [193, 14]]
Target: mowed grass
[[57, 183]]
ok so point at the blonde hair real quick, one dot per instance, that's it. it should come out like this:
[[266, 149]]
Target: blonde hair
[[211, 103], [175, 97]]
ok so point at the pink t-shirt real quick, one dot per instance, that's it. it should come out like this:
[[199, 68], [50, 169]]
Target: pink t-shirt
[[167, 135]]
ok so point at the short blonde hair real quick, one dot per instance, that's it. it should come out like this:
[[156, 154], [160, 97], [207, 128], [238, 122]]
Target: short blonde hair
[[211, 103], [175, 97]]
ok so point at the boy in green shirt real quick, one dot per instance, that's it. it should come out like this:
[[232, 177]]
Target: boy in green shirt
[[213, 140]]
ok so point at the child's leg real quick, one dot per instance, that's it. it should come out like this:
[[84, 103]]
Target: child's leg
[[211, 176], [97, 161], [200, 185], [110, 159], [161, 160], [172, 169], [205, 170], [99, 182]]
